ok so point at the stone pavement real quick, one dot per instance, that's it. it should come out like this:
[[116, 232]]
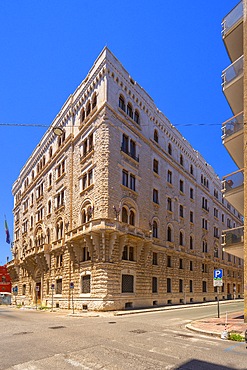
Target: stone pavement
[[232, 323]]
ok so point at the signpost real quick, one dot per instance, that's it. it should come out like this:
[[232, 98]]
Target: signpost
[[52, 294], [36, 294], [71, 286], [218, 276], [15, 292]]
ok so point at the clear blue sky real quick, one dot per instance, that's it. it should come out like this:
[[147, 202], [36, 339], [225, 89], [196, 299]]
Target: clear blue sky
[[172, 48]]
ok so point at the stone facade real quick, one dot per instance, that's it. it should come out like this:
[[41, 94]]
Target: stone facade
[[120, 205]]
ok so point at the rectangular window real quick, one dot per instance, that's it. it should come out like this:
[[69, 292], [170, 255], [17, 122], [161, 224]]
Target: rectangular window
[[169, 204], [204, 286], [191, 193], [125, 178], [169, 261], [181, 186], [156, 166], [132, 149], [90, 177], [127, 283], [128, 253], [125, 144], [180, 263], [84, 181], [155, 196], [169, 176], [180, 286], [154, 284], [132, 182], [191, 217], [155, 258], [169, 285], [59, 286], [191, 286], [86, 284], [181, 211], [191, 265]]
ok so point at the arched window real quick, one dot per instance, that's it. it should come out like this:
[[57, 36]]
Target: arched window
[[169, 234], [155, 229], [156, 136], [124, 215], [59, 229], [49, 207], [130, 110], [88, 108], [94, 101], [137, 117], [84, 216], [170, 148], [121, 103], [48, 236], [181, 238], [50, 179], [83, 115], [191, 242], [132, 218]]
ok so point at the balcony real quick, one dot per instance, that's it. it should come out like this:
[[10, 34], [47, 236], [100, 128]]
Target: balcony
[[232, 32], [131, 153], [233, 241], [232, 85], [233, 189], [232, 138]]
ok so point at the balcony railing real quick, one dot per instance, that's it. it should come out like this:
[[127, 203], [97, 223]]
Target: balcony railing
[[129, 153], [232, 18], [233, 236], [232, 125], [233, 180], [233, 71]]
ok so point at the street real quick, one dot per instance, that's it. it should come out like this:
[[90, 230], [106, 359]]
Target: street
[[35, 340]]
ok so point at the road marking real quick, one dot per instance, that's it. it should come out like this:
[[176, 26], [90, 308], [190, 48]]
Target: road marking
[[231, 348], [154, 350], [77, 364]]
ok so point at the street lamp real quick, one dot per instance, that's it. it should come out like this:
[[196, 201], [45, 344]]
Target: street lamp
[[58, 131]]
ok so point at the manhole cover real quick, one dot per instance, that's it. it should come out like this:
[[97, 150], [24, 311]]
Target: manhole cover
[[56, 327], [138, 331]]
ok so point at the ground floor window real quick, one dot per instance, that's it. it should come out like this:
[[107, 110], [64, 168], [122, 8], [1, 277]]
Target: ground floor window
[[127, 283], [59, 286], [154, 284], [86, 284]]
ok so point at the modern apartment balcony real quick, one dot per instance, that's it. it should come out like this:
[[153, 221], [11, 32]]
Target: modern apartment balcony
[[232, 32], [233, 241], [233, 189], [232, 138], [232, 85]]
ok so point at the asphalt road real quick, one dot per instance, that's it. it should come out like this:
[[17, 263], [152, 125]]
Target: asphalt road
[[35, 340]]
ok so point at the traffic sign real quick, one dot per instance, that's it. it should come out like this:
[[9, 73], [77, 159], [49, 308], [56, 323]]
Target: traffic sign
[[52, 286], [218, 275]]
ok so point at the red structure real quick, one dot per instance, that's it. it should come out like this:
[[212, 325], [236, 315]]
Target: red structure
[[5, 283]]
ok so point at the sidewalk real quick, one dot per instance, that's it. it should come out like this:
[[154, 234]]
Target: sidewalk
[[232, 323]]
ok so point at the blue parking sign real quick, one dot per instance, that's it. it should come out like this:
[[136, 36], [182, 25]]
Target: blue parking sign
[[218, 274]]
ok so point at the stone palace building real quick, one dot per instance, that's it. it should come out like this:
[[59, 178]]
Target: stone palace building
[[115, 209]]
